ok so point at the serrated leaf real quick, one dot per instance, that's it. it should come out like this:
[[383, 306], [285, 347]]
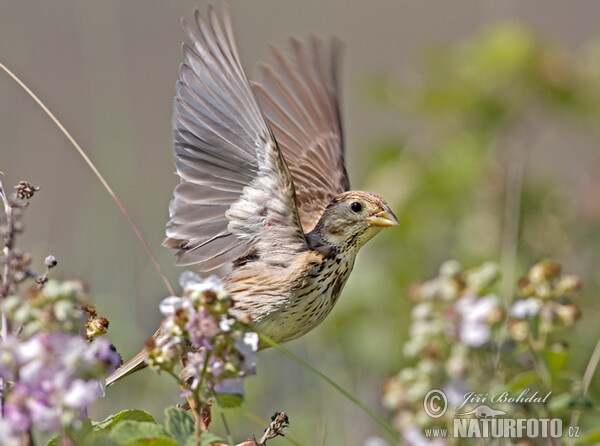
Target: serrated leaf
[[178, 424], [101, 438], [230, 400], [130, 414], [129, 430]]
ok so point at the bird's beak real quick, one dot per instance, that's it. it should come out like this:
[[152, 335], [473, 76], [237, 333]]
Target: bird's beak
[[383, 219]]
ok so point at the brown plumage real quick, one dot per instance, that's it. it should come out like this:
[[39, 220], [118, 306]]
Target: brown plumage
[[263, 184]]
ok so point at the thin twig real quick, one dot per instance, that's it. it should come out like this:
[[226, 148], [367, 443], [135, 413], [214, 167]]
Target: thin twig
[[510, 232], [6, 276], [9, 237], [98, 175], [279, 422]]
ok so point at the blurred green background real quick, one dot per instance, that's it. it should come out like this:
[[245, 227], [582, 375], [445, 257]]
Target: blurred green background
[[477, 121]]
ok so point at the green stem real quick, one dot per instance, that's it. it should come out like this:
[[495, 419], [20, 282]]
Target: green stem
[[227, 430], [335, 385]]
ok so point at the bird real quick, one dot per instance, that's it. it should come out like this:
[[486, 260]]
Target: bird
[[263, 185]]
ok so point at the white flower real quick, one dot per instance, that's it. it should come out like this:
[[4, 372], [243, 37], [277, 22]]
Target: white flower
[[450, 268], [190, 281], [249, 343], [81, 394], [225, 323], [429, 290], [247, 346], [473, 330], [9, 434], [474, 333], [524, 308], [413, 346], [169, 305], [474, 309], [422, 310]]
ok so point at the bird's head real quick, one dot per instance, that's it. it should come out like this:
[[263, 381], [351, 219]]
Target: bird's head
[[352, 218]]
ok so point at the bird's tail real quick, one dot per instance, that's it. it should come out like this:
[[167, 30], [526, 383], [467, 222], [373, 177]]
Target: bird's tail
[[133, 365]]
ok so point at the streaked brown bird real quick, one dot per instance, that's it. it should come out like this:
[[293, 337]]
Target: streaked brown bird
[[263, 184]]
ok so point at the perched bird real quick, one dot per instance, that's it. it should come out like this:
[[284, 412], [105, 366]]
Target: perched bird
[[263, 184]]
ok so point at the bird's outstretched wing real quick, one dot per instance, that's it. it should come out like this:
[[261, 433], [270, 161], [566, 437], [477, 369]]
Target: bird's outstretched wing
[[236, 195], [298, 94]]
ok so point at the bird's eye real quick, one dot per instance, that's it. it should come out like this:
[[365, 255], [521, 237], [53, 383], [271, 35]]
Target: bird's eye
[[356, 207]]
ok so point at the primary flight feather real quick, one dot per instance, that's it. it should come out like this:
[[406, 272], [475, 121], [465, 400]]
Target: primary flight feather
[[263, 187]]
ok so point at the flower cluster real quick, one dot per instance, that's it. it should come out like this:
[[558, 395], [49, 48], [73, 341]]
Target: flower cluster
[[544, 304], [453, 313], [459, 330], [57, 306], [51, 362], [217, 348]]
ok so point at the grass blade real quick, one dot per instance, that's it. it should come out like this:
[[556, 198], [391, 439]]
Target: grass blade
[[98, 175], [335, 385]]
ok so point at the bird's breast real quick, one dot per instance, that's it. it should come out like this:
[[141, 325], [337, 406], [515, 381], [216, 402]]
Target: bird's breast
[[314, 296], [286, 302]]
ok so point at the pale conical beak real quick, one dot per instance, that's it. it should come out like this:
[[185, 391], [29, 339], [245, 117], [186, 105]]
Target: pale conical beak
[[383, 219]]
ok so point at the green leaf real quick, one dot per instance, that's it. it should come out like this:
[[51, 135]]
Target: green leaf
[[590, 437], [560, 402], [230, 400], [154, 441], [523, 380], [178, 424], [555, 360], [131, 414], [101, 438], [569, 401], [208, 438], [129, 430], [78, 436]]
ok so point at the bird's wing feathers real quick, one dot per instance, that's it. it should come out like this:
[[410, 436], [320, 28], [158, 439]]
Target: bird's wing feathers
[[298, 94], [236, 194]]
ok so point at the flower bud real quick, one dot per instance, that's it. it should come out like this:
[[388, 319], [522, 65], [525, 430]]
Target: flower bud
[[525, 287], [96, 327], [544, 270], [568, 284], [450, 268], [482, 277], [495, 316], [50, 262], [568, 314], [518, 330]]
